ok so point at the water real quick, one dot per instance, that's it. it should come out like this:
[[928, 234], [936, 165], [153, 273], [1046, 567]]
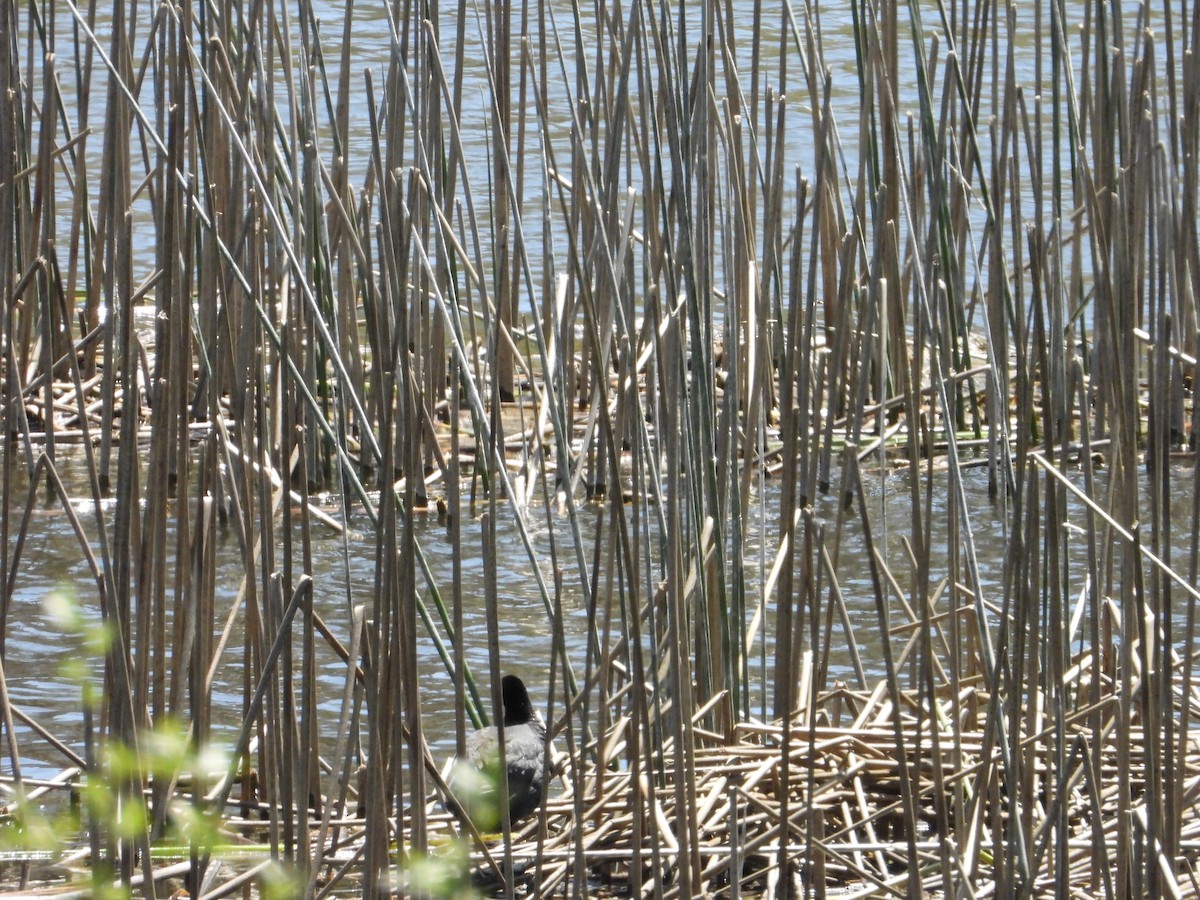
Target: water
[[42, 686], [375, 45]]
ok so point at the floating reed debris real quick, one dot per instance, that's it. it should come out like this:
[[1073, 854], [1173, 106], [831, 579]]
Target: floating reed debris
[[806, 396]]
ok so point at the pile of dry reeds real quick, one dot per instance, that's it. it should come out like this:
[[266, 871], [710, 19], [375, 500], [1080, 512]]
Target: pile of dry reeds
[[936, 818]]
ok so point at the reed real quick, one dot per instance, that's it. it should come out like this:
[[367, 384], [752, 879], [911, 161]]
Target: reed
[[701, 317]]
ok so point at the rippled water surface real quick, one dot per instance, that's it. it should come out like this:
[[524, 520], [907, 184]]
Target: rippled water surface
[[43, 687]]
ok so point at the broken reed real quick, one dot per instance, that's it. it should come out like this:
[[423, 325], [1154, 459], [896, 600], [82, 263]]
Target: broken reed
[[238, 260]]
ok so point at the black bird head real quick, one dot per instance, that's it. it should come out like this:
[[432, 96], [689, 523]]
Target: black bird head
[[517, 708]]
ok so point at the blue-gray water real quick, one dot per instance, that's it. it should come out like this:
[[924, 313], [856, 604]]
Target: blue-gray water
[[40, 684]]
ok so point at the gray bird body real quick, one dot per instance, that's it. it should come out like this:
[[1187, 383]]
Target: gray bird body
[[475, 778]]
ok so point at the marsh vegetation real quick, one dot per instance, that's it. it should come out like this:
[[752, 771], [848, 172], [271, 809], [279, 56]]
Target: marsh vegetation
[[658, 307]]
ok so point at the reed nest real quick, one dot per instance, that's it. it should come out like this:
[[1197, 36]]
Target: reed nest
[[866, 793], [840, 792]]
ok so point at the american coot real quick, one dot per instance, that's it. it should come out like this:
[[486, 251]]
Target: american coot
[[474, 780]]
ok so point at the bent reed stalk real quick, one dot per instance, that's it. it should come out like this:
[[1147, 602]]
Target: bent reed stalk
[[698, 308]]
